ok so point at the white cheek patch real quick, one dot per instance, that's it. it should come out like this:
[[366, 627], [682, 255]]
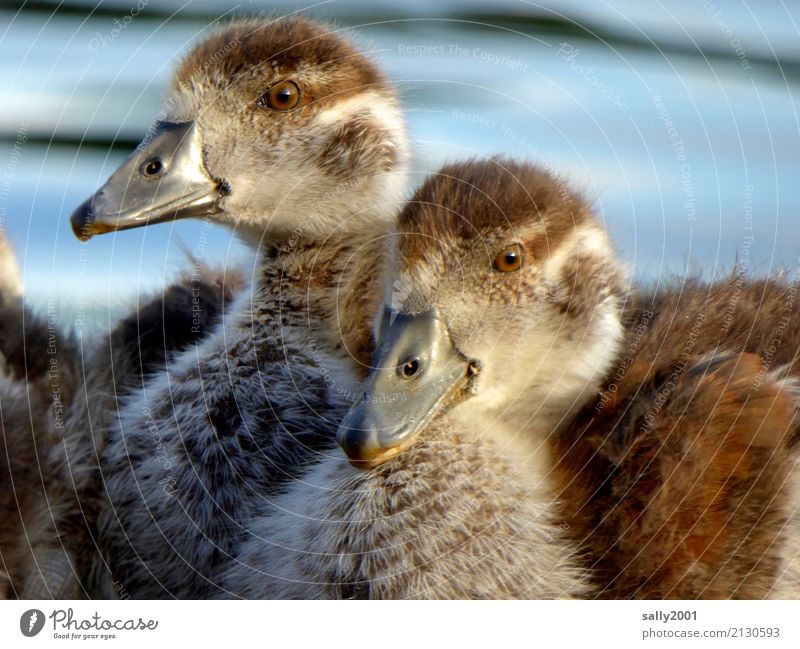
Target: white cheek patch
[[585, 241], [567, 369], [379, 107]]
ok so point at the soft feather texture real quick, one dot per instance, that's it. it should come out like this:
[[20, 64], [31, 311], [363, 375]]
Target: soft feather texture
[[53, 430], [458, 516], [469, 510], [38, 373], [680, 479], [230, 422], [292, 173], [673, 467], [315, 190]]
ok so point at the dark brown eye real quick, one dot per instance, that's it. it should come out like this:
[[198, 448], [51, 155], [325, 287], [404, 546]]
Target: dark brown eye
[[282, 96], [153, 167], [410, 368], [510, 259]]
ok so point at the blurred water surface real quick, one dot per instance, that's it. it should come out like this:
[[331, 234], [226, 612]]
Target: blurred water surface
[[586, 88]]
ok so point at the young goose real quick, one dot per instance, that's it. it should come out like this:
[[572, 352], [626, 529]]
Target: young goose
[[503, 323], [286, 133], [480, 354]]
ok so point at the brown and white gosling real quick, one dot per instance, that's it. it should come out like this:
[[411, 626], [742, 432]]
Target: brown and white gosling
[[458, 408], [286, 133], [501, 330]]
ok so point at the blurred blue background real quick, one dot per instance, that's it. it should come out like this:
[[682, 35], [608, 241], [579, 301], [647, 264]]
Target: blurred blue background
[[586, 88]]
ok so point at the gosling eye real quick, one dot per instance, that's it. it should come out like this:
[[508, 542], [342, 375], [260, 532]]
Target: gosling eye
[[152, 168], [410, 368], [284, 95], [510, 259]]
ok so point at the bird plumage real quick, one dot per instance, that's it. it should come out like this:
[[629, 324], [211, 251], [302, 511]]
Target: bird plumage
[[682, 472], [667, 460], [314, 190]]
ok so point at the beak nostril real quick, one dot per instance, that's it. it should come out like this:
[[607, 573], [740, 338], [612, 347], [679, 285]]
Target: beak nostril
[[410, 368]]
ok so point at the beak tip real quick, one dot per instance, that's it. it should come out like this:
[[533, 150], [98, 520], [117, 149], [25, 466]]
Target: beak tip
[[357, 441], [82, 220], [362, 443], [351, 441]]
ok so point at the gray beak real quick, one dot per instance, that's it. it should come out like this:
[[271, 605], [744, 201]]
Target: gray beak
[[416, 373], [163, 180]]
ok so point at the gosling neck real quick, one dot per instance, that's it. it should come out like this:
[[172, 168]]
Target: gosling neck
[[335, 281]]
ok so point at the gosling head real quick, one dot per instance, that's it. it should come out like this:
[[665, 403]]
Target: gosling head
[[271, 128], [504, 304]]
